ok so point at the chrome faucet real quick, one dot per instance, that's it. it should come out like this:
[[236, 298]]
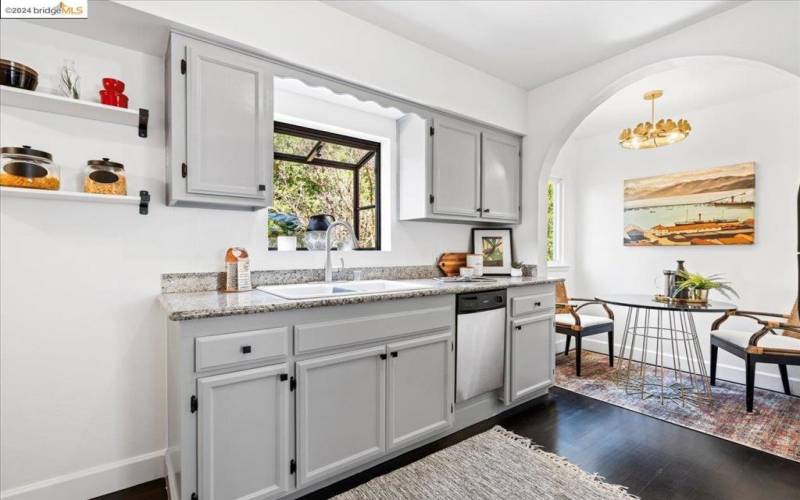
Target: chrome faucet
[[328, 265]]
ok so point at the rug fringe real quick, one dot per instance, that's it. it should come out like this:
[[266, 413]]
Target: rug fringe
[[562, 462]]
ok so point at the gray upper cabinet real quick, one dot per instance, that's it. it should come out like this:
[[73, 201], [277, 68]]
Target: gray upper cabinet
[[220, 127], [243, 435], [420, 388], [454, 170], [500, 176], [456, 167], [341, 412]]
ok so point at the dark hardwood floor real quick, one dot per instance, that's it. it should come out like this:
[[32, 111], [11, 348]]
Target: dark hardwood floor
[[151, 490], [654, 459]]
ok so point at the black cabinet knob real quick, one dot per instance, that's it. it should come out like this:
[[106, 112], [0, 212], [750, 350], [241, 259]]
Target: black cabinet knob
[[246, 349], [383, 356], [537, 304], [485, 209], [518, 327], [394, 354], [477, 209]]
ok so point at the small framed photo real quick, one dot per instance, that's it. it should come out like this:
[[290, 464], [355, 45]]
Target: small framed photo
[[495, 246]]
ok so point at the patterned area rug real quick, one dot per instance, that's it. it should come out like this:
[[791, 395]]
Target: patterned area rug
[[774, 425], [495, 464]]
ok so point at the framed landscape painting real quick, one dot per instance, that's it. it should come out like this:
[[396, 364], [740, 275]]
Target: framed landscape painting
[[713, 206]]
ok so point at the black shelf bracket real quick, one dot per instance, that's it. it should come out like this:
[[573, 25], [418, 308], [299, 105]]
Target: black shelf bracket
[[144, 202], [144, 116]]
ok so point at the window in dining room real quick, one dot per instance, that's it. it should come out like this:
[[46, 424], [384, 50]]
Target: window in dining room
[[555, 221]]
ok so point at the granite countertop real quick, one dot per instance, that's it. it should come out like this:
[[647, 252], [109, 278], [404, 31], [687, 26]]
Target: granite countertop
[[212, 304]]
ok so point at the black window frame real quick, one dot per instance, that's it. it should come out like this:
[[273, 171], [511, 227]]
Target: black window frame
[[322, 137]]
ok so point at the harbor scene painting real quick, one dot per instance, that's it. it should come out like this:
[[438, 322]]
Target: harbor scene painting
[[714, 206]]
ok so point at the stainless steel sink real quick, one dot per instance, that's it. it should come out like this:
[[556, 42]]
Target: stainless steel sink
[[338, 289]]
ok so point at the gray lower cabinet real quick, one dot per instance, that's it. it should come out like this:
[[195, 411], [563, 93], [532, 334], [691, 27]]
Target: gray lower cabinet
[[341, 412], [243, 434], [358, 405], [531, 355], [420, 388], [220, 126]]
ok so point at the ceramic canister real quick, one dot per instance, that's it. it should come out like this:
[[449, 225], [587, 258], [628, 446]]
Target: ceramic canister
[[475, 261]]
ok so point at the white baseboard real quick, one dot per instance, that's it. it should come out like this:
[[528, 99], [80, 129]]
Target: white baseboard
[[732, 373], [92, 482]]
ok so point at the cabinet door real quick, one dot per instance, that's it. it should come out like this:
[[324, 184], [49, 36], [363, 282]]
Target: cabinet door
[[243, 434], [456, 168], [228, 123], [500, 176], [341, 412], [531, 356], [420, 388]]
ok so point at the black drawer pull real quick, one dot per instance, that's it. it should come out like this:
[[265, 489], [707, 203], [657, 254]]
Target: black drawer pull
[[518, 327], [394, 354], [246, 349], [537, 304], [383, 356]]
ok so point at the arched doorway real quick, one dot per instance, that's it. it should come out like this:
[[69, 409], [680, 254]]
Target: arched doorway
[[584, 110]]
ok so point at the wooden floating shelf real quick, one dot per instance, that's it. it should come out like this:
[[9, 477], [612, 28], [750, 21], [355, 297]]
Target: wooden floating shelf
[[40, 101], [143, 200]]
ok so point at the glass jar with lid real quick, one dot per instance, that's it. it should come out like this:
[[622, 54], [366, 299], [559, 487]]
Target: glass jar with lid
[[105, 177], [25, 167]]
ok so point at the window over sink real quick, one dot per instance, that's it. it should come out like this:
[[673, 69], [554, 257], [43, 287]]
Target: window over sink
[[317, 172]]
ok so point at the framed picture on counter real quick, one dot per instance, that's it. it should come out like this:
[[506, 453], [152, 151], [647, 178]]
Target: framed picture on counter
[[495, 246]]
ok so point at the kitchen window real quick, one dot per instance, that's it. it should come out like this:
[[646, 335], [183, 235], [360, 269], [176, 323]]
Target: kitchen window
[[555, 222], [317, 172]]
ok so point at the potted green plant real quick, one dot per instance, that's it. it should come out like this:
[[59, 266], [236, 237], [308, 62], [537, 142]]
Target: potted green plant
[[698, 286], [284, 229], [516, 268]]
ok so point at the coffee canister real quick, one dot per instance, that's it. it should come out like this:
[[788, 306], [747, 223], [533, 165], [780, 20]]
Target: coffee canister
[[237, 269]]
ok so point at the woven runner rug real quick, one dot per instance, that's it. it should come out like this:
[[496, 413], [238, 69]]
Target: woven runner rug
[[774, 425], [495, 464]]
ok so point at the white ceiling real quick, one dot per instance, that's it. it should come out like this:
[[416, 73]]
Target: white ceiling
[[686, 89], [530, 43]]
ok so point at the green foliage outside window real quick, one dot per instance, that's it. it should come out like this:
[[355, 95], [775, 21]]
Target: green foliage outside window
[[304, 190]]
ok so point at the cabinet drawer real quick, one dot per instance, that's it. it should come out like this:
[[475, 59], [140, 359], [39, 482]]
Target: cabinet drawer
[[529, 304], [312, 337], [242, 347]]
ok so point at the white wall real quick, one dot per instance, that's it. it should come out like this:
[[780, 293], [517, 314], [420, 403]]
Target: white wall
[[82, 346], [763, 128], [764, 31]]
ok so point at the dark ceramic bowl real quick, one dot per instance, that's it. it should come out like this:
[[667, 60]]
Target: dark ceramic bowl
[[319, 222], [14, 74]]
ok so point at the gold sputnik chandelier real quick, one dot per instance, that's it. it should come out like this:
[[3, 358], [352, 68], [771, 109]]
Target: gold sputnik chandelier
[[663, 133]]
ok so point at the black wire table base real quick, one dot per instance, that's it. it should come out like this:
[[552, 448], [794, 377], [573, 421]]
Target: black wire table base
[[671, 334]]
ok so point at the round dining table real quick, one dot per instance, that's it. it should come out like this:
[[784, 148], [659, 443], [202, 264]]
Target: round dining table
[[660, 354]]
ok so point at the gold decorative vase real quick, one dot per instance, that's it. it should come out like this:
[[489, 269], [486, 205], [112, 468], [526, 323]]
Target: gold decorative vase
[[699, 295]]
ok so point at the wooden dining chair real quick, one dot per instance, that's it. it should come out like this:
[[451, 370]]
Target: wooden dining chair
[[763, 346], [572, 324]]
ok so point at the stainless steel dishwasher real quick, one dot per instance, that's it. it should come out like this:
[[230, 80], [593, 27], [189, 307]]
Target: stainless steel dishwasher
[[480, 342]]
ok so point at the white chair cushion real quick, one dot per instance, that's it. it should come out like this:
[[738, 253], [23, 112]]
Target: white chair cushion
[[586, 320], [770, 340]]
